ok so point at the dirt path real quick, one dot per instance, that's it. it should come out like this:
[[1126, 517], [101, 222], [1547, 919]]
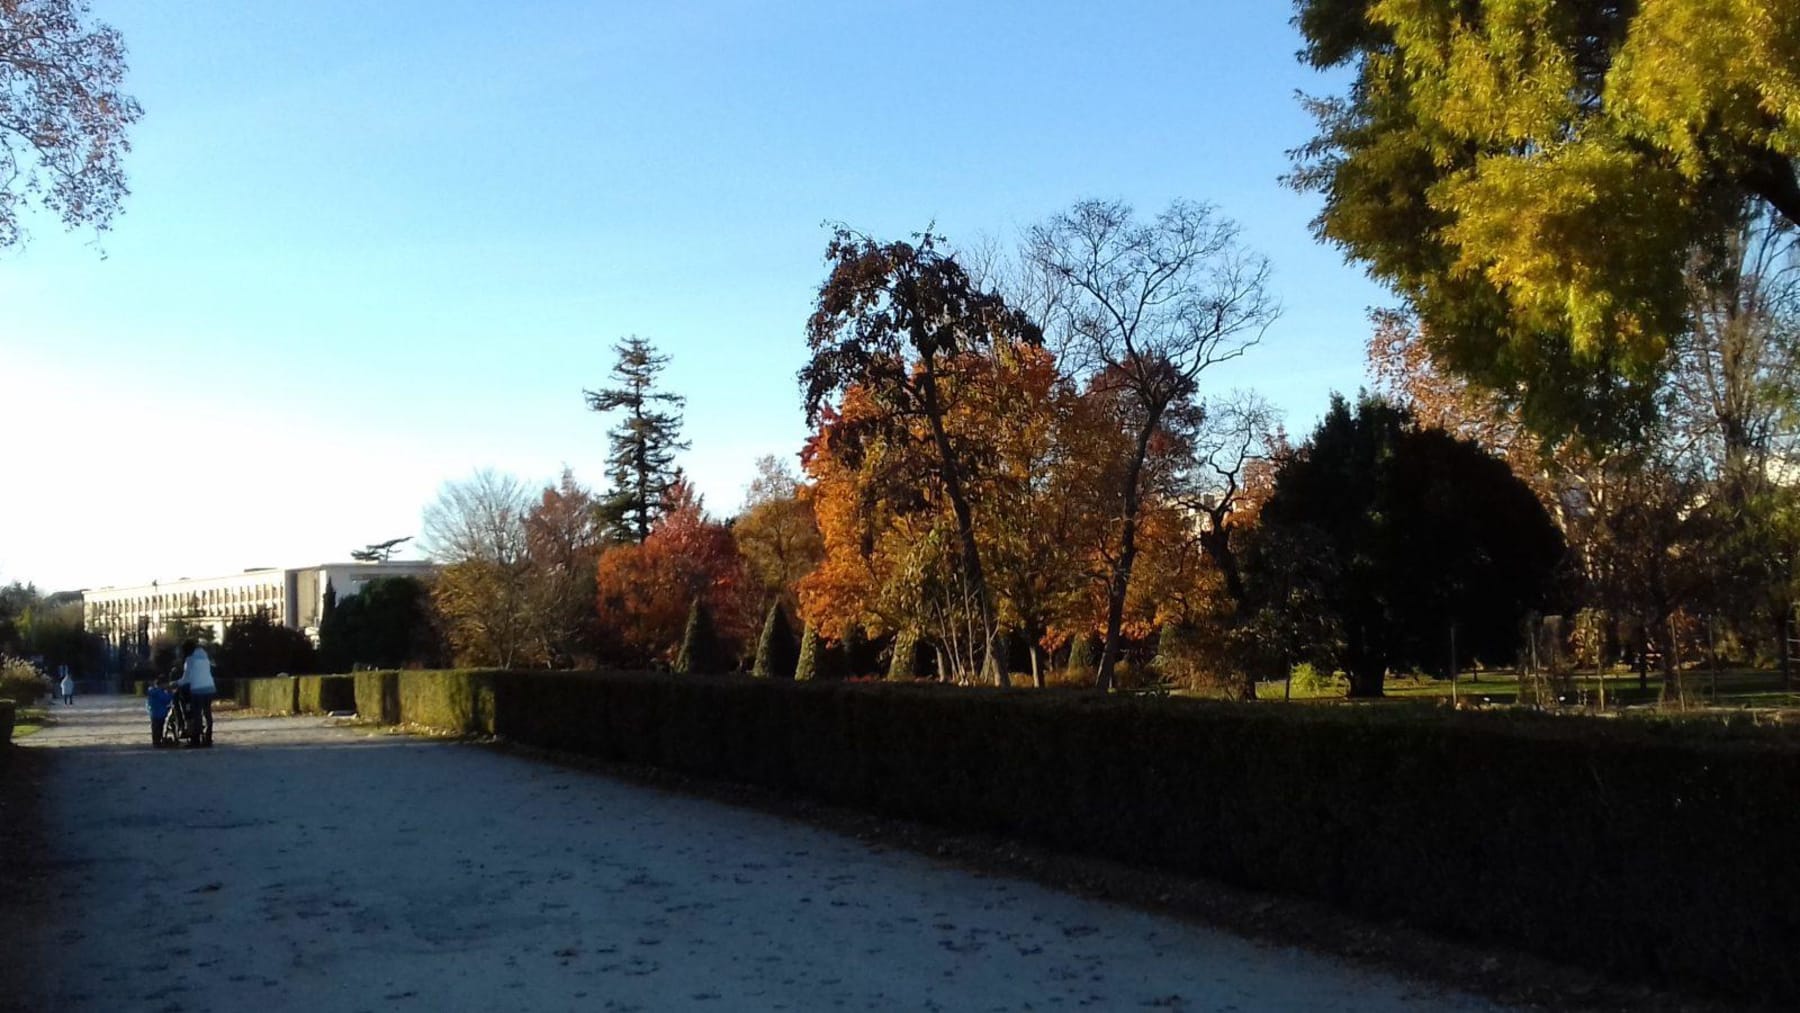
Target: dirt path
[[308, 866]]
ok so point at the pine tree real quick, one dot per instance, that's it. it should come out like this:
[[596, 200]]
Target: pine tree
[[641, 463], [812, 657], [776, 655], [699, 646]]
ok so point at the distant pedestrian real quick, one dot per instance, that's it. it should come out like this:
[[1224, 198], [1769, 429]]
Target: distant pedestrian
[[196, 683], [68, 687]]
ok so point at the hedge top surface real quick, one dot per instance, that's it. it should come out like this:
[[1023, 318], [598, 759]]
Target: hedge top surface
[[1708, 733]]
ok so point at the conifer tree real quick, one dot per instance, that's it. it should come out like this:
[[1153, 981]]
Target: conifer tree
[[699, 651], [775, 651], [812, 657], [641, 462]]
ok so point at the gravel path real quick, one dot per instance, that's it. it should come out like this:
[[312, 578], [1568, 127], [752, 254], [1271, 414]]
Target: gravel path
[[306, 865]]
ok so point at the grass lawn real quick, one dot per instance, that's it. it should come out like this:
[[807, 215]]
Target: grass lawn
[[30, 720], [1730, 688]]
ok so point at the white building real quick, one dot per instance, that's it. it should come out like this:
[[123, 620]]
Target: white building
[[128, 617]]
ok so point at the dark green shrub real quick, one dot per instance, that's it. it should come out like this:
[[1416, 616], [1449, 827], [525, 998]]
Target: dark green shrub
[[700, 648], [811, 664], [258, 646], [776, 652]]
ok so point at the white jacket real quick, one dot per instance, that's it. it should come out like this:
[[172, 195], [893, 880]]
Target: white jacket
[[196, 675]]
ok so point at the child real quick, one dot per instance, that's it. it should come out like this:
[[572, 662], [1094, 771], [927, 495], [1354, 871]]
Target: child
[[158, 699]]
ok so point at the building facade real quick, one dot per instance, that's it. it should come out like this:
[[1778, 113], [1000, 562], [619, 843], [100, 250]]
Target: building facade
[[129, 618]]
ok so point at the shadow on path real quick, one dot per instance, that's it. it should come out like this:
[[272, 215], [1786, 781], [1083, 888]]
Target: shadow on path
[[308, 865]]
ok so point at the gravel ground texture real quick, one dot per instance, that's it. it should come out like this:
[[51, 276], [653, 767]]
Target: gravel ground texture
[[310, 865]]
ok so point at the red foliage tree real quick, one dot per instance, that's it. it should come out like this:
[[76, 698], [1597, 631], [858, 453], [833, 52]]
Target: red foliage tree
[[645, 591]]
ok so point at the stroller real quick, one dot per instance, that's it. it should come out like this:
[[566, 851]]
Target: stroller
[[180, 723]]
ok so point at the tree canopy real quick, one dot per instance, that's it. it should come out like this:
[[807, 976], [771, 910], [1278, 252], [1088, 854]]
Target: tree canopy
[[63, 118], [1402, 533], [1535, 177]]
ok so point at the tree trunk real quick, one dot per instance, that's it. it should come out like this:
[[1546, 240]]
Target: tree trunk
[[1121, 575], [1366, 679], [951, 474], [1037, 672], [1366, 673], [1216, 540], [1785, 630]]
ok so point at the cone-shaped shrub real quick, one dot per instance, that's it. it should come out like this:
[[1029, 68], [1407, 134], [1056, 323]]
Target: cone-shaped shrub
[[904, 666], [812, 656], [1081, 656], [699, 646], [1176, 648], [776, 653]]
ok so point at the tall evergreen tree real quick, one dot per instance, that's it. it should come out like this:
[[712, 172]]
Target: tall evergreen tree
[[641, 463]]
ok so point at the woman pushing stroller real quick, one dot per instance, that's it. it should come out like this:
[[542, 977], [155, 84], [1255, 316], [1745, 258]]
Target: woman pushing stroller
[[194, 692]]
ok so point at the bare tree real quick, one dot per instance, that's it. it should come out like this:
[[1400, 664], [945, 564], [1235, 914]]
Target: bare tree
[[1142, 310], [1732, 407], [1237, 431], [476, 528]]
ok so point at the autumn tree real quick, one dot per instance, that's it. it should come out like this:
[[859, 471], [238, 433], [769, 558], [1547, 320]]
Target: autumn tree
[[891, 319], [1144, 310], [563, 539], [1534, 179], [777, 531], [646, 592], [63, 118], [1403, 533], [476, 529], [641, 462]]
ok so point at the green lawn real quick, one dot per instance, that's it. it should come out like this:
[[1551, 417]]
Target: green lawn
[[1731, 688], [30, 720]]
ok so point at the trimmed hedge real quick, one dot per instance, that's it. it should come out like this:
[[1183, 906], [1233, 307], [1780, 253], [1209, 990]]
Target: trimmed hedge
[[277, 695], [322, 694], [1644, 848], [378, 696], [461, 702]]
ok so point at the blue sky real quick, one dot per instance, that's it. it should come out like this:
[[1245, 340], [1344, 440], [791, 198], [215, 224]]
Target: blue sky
[[372, 247]]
